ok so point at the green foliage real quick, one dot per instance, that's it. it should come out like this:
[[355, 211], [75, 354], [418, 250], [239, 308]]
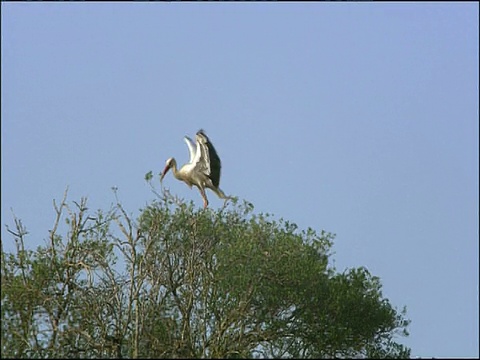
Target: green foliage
[[186, 282], [149, 176]]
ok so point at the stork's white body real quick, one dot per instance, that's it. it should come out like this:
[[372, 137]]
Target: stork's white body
[[203, 169]]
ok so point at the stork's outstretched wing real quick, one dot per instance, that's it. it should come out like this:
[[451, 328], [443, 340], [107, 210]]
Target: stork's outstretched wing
[[191, 148], [206, 158]]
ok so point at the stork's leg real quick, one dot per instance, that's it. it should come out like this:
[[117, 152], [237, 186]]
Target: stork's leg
[[204, 196], [220, 193]]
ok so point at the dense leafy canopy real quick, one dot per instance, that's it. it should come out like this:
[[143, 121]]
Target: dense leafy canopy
[[186, 282]]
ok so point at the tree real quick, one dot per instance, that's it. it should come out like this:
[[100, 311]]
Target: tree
[[185, 282]]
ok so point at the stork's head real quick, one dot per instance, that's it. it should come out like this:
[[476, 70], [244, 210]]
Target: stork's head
[[168, 165]]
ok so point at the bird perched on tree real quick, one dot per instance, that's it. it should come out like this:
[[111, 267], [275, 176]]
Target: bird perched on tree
[[203, 169]]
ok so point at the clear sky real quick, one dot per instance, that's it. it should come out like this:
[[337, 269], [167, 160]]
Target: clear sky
[[357, 118]]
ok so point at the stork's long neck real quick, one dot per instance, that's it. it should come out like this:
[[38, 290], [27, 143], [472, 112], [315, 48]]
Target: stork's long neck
[[175, 171]]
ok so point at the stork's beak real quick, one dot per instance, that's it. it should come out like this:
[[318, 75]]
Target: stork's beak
[[164, 172]]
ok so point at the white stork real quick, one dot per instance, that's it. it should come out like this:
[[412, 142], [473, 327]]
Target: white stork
[[203, 169]]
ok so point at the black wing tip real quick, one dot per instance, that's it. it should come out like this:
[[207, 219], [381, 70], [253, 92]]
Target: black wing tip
[[201, 134]]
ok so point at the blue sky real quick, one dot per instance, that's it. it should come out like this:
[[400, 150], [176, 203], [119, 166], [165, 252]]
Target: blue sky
[[357, 118]]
